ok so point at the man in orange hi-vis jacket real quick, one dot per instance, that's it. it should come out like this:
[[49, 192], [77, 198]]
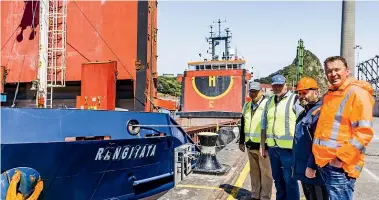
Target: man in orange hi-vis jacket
[[344, 129]]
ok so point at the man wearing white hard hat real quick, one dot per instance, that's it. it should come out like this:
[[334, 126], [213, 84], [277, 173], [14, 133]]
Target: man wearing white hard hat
[[250, 138]]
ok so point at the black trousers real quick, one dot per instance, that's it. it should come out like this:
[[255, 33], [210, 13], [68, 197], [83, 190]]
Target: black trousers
[[315, 192]]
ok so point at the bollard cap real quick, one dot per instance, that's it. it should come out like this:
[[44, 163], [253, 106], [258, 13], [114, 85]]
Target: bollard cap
[[207, 134]]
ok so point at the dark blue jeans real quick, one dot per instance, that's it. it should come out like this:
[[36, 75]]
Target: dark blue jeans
[[281, 160], [338, 184]]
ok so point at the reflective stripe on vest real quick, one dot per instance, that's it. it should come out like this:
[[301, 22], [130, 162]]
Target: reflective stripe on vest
[[282, 136], [252, 127], [332, 142]]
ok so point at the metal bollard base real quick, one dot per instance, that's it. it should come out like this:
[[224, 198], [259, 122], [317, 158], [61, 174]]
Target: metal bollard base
[[207, 163], [224, 169]]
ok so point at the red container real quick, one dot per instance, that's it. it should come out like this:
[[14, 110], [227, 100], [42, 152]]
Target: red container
[[98, 90]]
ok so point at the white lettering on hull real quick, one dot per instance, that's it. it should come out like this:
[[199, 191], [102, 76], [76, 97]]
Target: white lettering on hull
[[126, 152]]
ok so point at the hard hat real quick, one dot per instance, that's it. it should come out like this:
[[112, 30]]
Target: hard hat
[[278, 80], [306, 83], [254, 86]]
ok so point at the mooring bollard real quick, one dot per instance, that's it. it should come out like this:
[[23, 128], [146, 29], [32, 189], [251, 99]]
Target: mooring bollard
[[207, 163]]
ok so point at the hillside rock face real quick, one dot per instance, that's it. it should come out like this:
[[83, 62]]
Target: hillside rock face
[[312, 68]]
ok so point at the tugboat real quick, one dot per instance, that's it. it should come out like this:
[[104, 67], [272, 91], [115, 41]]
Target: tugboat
[[92, 151], [215, 88]]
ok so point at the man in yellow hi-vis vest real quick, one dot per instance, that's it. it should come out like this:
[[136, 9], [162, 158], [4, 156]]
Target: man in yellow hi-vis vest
[[250, 135], [278, 126]]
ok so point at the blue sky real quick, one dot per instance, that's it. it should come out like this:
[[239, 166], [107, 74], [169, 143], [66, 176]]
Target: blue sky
[[265, 33]]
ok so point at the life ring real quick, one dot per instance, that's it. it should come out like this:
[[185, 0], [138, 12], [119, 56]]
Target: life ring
[[21, 183]]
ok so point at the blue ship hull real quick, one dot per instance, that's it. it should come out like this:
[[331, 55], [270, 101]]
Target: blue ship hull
[[126, 166]]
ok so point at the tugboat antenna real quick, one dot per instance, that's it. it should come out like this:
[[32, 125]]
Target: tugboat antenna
[[215, 39]]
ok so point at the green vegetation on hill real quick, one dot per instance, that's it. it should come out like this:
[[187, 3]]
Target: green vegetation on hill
[[312, 68], [169, 85]]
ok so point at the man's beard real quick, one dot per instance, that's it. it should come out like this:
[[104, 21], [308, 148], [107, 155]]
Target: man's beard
[[305, 103]]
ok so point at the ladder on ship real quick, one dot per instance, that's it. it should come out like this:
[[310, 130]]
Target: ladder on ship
[[52, 48], [56, 68]]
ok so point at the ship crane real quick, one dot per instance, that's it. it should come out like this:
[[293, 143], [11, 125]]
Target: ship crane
[[52, 51]]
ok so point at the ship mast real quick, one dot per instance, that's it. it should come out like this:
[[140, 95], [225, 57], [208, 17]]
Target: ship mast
[[52, 51], [215, 38]]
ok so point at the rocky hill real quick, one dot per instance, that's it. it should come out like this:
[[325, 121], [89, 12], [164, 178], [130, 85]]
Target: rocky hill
[[312, 68]]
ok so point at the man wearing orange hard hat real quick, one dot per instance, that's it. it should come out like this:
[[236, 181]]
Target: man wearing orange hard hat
[[304, 167], [344, 129]]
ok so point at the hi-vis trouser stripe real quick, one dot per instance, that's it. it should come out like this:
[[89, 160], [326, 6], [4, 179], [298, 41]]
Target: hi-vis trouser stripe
[[287, 135], [332, 142]]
